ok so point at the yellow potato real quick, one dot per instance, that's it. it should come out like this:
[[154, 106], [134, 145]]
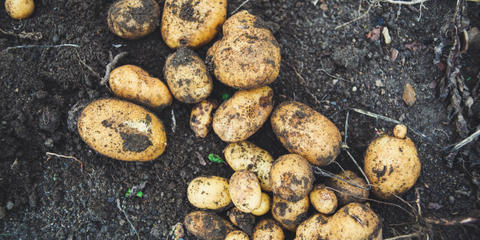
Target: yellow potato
[[135, 84], [267, 229], [207, 225], [264, 206], [237, 235], [291, 177], [187, 76], [245, 191], [243, 114], [308, 229], [346, 192], [247, 156], [305, 131], [122, 130], [192, 23], [323, 199], [290, 214], [133, 19], [201, 117], [19, 9], [209, 192], [244, 221]]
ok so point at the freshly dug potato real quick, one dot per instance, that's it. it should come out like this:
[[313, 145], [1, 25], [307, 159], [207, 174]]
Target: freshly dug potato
[[201, 117], [290, 214], [392, 165], [264, 206], [305, 131], [192, 23], [248, 56], [247, 156], [308, 229], [122, 130], [243, 114], [245, 191], [244, 221], [19, 9], [187, 76], [207, 225], [346, 192], [267, 229], [323, 199], [135, 84], [133, 19], [209, 192], [237, 235], [291, 177]]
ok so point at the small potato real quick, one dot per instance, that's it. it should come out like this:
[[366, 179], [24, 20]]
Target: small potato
[[187, 76], [308, 229], [243, 114], [323, 199], [264, 206], [237, 235], [122, 130], [346, 192], [207, 225], [247, 156], [244, 221], [305, 131], [201, 117], [135, 84], [267, 229], [290, 214], [245, 191], [291, 177], [192, 23], [132, 19], [19, 9], [209, 192]]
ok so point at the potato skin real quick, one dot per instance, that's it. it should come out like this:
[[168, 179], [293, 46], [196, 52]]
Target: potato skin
[[207, 225], [308, 229], [122, 130], [133, 19], [209, 192], [19, 9], [237, 235], [291, 177], [187, 76], [133, 83], [201, 117], [192, 23], [264, 206], [347, 193], [268, 229], [243, 114], [323, 199], [245, 191], [244, 221], [290, 214], [305, 131]]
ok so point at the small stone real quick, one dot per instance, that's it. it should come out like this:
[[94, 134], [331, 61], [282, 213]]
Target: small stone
[[9, 205], [48, 143], [379, 83], [451, 199], [354, 89], [386, 35], [121, 222], [324, 7], [409, 96]]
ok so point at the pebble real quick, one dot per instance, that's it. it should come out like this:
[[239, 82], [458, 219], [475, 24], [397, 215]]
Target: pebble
[[409, 96], [386, 35], [379, 83], [10, 205], [451, 199], [48, 143], [354, 89]]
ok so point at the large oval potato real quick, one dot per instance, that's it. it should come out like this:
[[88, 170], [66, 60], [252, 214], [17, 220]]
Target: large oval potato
[[187, 76], [267, 229], [201, 117], [243, 114], [248, 156], [290, 214], [323, 199], [237, 235], [135, 84], [291, 177], [308, 229], [264, 206], [192, 23], [133, 19], [207, 225], [122, 130], [245, 191], [209, 192], [244, 221], [19, 9], [305, 131], [355, 190]]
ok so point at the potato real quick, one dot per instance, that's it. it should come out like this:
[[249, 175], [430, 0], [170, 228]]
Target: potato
[[264, 206], [243, 114], [135, 84], [237, 235], [308, 229], [245, 191], [187, 76], [267, 229], [323, 199], [305, 131], [244, 221], [19, 9], [201, 117], [392, 165], [346, 192], [122, 130], [209, 192], [192, 23], [289, 214], [291, 177], [248, 56], [207, 225], [247, 156], [132, 19]]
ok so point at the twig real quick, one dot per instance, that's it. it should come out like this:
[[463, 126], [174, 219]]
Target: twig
[[240, 6], [174, 122], [303, 82], [355, 19], [334, 77], [413, 2], [326, 173], [419, 209], [464, 142], [447, 222], [24, 35], [346, 129], [111, 65], [88, 67], [415, 234], [43, 46], [126, 216], [359, 168], [49, 154]]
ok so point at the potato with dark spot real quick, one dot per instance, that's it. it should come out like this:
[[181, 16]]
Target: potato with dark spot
[[323, 199], [237, 235], [351, 189], [209, 192], [248, 55], [19, 9], [207, 225], [132, 19], [187, 76], [201, 117], [245, 191], [244, 221], [192, 23], [264, 206], [305, 131], [267, 229], [243, 114], [122, 130], [290, 214], [133, 83], [291, 177], [308, 229]]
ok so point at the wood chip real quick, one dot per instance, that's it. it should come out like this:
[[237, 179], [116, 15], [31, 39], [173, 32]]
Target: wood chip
[[409, 96]]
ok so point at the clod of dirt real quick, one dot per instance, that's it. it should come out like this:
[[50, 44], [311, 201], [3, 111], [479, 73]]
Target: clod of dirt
[[409, 96], [49, 119], [349, 57], [3, 212]]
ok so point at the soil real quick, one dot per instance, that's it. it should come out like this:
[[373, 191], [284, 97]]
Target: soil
[[332, 70]]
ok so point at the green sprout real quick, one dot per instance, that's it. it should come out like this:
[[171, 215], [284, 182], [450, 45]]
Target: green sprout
[[215, 158], [225, 96], [54, 177], [468, 78], [129, 191], [139, 194]]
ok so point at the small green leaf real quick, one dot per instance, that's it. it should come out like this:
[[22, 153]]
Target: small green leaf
[[225, 96], [468, 78], [54, 177], [139, 194], [215, 158], [127, 194]]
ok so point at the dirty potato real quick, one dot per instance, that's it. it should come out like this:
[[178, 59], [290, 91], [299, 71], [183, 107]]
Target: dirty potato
[[19, 9], [245, 191], [353, 189], [308, 229], [133, 19], [209, 192], [243, 114], [207, 225], [237, 235], [248, 156], [248, 56], [290, 214], [187, 76], [244, 221], [192, 23], [133, 83], [305, 131], [291, 177], [323, 199], [268, 229], [264, 206], [201, 117]]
